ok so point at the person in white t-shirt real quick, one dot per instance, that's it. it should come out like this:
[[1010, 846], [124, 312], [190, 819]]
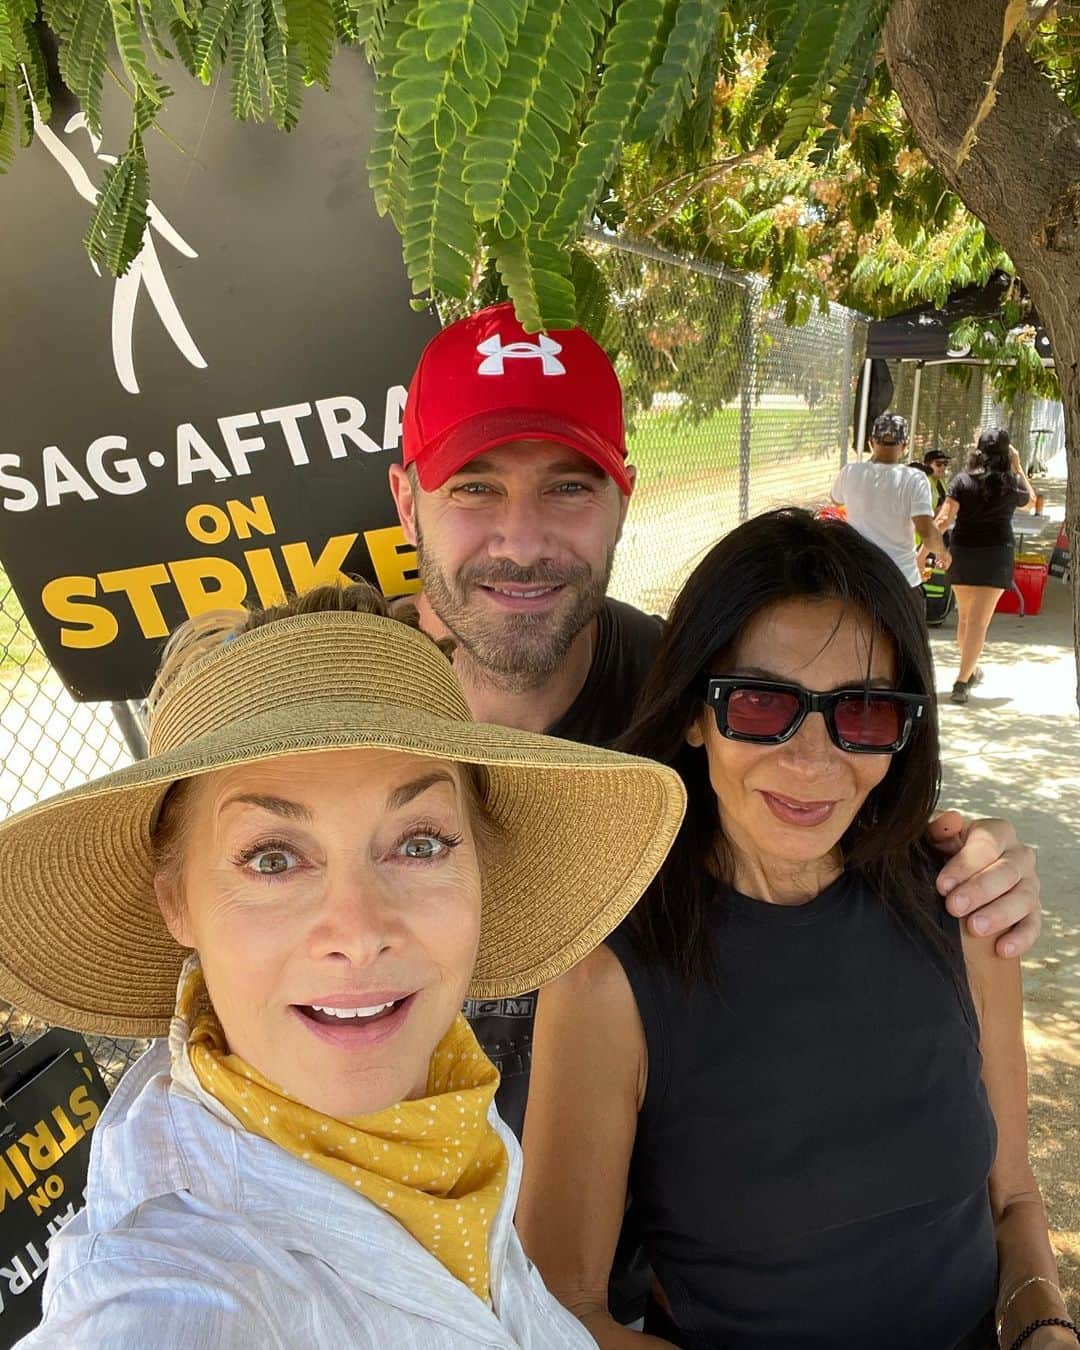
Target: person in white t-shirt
[[888, 501]]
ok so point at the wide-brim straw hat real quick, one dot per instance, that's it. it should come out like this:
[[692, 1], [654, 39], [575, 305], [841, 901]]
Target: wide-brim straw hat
[[581, 831]]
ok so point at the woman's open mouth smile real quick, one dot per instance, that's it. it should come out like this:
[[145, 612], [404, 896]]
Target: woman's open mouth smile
[[355, 1022]]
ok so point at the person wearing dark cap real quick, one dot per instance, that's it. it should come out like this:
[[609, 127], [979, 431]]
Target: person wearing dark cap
[[935, 464], [887, 503]]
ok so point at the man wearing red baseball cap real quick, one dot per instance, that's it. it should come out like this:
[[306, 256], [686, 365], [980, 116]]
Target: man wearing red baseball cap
[[513, 488]]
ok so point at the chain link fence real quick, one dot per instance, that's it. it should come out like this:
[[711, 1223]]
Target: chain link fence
[[49, 742], [730, 412], [955, 402]]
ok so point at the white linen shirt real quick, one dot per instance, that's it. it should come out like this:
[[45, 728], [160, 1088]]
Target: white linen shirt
[[882, 501], [198, 1235]]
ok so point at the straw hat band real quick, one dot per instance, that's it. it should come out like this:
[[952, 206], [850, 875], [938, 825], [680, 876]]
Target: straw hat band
[[296, 661]]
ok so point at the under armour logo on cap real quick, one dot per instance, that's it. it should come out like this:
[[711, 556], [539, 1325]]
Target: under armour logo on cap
[[494, 353], [451, 417]]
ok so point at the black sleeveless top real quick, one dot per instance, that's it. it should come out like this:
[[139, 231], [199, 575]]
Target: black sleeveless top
[[811, 1159]]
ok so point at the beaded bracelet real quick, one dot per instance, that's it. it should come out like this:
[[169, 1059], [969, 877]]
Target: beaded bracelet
[[1033, 1327]]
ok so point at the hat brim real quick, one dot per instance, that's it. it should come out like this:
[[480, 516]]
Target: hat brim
[[83, 945], [471, 437]]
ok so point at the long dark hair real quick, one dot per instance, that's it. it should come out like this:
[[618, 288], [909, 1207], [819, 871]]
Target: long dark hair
[[779, 556], [990, 463]]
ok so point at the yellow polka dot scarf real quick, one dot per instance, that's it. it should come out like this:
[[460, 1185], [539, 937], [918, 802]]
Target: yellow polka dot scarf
[[436, 1164]]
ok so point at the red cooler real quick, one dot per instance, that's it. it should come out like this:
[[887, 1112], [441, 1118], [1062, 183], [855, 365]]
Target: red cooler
[[1030, 581]]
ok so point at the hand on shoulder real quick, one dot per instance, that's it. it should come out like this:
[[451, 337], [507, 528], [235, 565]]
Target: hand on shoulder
[[990, 879]]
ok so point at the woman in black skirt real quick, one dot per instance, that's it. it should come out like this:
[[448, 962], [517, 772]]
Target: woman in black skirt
[[979, 508]]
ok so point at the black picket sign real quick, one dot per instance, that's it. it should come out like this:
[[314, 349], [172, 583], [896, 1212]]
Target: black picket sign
[[51, 1097], [217, 424]]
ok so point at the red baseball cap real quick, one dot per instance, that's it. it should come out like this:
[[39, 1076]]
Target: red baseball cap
[[484, 381]]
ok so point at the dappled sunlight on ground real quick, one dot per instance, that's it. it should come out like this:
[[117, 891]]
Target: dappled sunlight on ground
[[1014, 750]]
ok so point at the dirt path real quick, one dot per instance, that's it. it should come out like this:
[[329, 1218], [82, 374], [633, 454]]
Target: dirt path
[[1014, 751]]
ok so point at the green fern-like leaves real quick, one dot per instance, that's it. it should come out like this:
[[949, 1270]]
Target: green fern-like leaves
[[215, 33], [83, 58], [497, 122], [129, 41], [284, 69], [388, 161], [311, 27], [119, 220], [16, 115], [821, 59], [630, 55], [851, 87], [512, 156], [23, 77], [440, 235], [388, 158], [827, 42], [693, 32], [536, 274], [249, 72]]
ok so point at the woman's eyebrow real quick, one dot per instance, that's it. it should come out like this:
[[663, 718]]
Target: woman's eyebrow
[[278, 806], [407, 792]]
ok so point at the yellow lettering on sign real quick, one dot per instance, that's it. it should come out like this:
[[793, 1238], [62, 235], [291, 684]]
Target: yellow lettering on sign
[[52, 1189], [264, 573], [209, 583], [25, 1171], [323, 571], [212, 582], [138, 584], [10, 1188], [63, 599], [81, 1104], [216, 532], [391, 557], [69, 1134], [254, 515], [42, 1147]]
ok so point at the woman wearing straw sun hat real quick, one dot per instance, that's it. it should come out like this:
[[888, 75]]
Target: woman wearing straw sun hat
[[320, 858]]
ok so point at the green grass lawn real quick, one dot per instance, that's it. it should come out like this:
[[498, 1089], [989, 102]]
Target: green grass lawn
[[18, 648], [662, 443]]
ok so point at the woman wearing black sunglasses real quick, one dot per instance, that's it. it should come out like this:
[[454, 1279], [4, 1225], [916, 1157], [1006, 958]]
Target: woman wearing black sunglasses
[[810, 1086]]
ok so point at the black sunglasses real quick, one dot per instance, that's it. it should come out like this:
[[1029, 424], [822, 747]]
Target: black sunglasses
[[768, 712]]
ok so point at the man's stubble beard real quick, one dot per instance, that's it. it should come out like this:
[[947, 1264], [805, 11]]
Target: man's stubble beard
[[515, 652]]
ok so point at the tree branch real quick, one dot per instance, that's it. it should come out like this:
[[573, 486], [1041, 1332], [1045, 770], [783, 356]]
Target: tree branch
[[705, 176]]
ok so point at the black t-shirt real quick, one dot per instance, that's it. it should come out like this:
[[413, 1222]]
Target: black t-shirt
[[986, 507], [626, 643], [811, 1159]]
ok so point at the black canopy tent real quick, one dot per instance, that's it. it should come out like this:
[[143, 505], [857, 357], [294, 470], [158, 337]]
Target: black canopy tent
[[922, 335]]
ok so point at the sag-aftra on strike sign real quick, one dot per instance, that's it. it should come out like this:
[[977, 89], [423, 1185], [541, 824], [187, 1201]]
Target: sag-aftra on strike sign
[[215, 427]]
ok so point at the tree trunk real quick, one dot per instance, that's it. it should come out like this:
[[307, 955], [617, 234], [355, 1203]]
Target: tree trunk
[[1021, 177]]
